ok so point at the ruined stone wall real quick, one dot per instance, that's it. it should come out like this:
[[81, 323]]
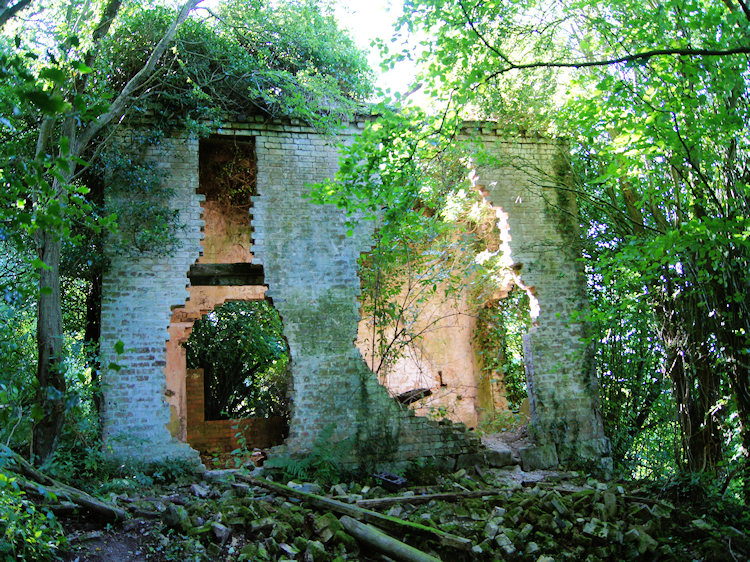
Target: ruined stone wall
[[523, 182], [310, 267], [139, 291]]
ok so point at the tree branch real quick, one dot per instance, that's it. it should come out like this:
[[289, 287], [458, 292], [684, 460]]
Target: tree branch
[[480, 36], [117, 108], [644, 56], [7, 13]]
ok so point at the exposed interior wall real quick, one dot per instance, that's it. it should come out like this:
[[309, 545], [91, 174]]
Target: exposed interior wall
[[442, 360], [223, 436]]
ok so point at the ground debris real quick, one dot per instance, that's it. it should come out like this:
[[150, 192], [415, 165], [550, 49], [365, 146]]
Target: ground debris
[[246, 518]]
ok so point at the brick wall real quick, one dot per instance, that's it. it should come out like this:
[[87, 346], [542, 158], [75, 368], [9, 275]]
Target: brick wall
[[222, 435], [310, 268], [139, 290], [522, 179]]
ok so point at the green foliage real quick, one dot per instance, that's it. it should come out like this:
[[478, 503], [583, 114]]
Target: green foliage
[[500, 421], [284, 60], [667, 204], [26, 532], [499, 339], [17, 382], [324, 463], [241, 348], [423, 471], [462, 48], [637, 405]]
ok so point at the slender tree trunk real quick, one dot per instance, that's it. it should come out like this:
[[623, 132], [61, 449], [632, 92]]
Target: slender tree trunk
[[51, 379], [694, 380]]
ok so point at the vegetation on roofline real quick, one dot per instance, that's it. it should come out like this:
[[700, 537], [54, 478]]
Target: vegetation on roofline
[[248, 57]]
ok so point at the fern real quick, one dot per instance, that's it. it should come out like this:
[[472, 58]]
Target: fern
[[322, 464]]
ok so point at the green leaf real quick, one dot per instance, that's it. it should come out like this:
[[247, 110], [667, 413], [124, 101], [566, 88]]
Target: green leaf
[[119, 347], [56, 75], [82, 68], [45, 102], [39, 264]]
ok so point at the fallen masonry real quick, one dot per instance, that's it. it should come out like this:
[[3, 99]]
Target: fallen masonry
[[504, 514]]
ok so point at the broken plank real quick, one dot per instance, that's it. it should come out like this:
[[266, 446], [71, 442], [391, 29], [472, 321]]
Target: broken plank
[[382, 521], [386, 544]]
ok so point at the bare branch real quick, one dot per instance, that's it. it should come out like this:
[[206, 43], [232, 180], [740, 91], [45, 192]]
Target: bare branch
[[108, 16], [644, 56]]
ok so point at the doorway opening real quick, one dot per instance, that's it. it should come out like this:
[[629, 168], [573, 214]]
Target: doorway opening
[[241, 349]]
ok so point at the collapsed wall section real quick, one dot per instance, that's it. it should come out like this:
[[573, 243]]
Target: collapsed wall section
[[310, 266]]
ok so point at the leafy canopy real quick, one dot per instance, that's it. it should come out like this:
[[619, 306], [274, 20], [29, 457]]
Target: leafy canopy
[[285, 59]]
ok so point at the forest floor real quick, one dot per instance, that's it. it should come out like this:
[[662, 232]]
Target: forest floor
[[479, 513]]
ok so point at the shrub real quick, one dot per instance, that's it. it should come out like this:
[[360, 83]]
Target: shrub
[[26, 532]]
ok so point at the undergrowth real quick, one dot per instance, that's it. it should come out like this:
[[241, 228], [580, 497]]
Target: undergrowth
[[324, 463]]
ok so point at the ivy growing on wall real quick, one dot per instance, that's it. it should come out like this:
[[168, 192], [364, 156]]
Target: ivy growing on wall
[[138, 199]]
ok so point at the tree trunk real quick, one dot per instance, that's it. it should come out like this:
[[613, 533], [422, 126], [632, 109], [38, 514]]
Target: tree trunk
[[695, 382], [51, 392]]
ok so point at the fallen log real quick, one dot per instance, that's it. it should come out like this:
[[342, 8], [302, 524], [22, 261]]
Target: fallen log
[[38, 483], [424, 498], [384, 543], [383, 521]]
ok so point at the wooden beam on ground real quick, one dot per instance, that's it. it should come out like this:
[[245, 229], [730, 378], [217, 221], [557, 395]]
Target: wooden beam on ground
[[386, 544], [383, 521], [36, 482], [424, 498]]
